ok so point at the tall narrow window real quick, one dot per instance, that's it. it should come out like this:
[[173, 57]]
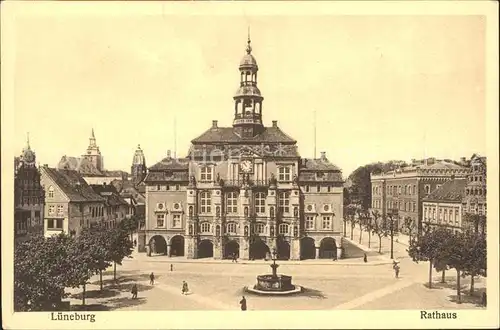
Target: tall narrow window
[[284, 202], [205, 227], [231, 228], [60, 209], [283, 229], [327, 222], [260, 203], [206, 202], [284, 173], [160, 220], [309, 222], [232, 202], [176, 221], [51, 192]]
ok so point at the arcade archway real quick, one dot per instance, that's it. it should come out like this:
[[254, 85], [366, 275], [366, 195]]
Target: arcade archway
[[231, 248], [158, 245], [328, 248], [283, 249], [177, 246], [307, 248], [259, 250], [205, 249]]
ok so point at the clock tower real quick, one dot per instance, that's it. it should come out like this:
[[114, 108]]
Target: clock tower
[[247, 121]]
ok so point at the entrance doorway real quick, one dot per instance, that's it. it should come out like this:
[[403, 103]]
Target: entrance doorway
[[231, 248], [307, 248], [205, 249], [158, 245], [258, 249], [328, 248], [177, 246]]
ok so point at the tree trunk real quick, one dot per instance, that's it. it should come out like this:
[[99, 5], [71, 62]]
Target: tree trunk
[[345, 228], [114, 271], [472, 284], [100, 278], [442, 278], [459, 297], [360, 234], [83, 293], [369, 238], [430, 274], [352, 231], [380, 244]]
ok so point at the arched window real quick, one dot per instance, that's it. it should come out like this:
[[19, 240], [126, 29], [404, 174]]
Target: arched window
[[260, 228], [260, 202], [284, 202], [427, 189], [51, 192], [232, 202], [206, 202], [283, 229], [231, 228], [205, 227]]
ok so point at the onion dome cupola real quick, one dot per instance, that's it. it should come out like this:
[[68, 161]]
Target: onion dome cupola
[[28, 156], [248, 100]]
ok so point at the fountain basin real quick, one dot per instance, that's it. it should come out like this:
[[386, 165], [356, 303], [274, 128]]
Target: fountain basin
[[274, 285]]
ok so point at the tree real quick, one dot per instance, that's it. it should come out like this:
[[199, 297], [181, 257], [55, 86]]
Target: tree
[[409, 225], [475, 250], [95, 240], [477, 222], [43, 268], [368, 223], [458, 258], [130, 224], [349, 212], [379, 228], [119, 247]]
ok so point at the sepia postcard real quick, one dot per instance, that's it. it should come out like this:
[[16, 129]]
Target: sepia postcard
[[234, 164]]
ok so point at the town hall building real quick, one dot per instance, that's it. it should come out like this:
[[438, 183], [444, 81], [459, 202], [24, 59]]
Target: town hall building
[[244, 190]]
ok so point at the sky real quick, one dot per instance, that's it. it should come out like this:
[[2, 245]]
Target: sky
[[382, 87]]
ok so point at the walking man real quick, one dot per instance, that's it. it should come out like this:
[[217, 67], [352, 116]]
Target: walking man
[[243, 303], [152, 279], [184, 287], [365, 258], [396, 270], [171, 267], [134, 291]]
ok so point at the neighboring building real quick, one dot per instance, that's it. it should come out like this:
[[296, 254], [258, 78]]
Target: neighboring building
[[403, 189], [443, 207], [29, 196], [244, 190], [70, 203], [116, 208], [90, 165], [474, 201], [138, 170]]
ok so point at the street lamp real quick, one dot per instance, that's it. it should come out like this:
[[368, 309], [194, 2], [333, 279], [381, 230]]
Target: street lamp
[[392, 214]]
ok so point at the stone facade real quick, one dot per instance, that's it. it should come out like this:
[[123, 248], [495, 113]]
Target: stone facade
[[244, 190], [403, 189], [474, 201]]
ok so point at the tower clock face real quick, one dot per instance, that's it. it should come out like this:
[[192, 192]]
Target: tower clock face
[[246, 166]]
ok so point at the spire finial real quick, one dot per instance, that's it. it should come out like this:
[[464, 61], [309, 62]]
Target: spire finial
[[249, 48], [93, 133], [28, 139]]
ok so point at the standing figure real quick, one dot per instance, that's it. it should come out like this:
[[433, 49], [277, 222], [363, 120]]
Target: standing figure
[[396, 270], [171, 267], [134, 291], [184, 287], [152, 278], [365, 258], [243, 303], [135, 243]]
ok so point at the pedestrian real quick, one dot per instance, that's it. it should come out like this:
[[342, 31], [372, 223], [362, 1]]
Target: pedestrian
[[483, 299], [184, 287], [232, 257], [365, 258], [152, 278], [171, 267], [396, 270], [134, 291], [243, 303], [235, 257], [135, 243]]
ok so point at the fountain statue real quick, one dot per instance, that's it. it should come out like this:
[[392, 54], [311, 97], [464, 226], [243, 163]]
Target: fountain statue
[[274, 284]]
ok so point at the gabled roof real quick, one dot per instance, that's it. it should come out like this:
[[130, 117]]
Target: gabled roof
[[73, 185], [117, 173], [450, 191], [127, 189], [80, 164], [228, 135], [159, 176], [172, 164], [318, 164]]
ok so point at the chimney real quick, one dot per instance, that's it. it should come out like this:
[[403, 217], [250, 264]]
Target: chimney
[[275, 123], [323, 155], [413, 161], [168, 154], [463, 160], [214, 123]]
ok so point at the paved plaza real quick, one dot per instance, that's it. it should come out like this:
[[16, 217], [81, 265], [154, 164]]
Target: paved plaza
[[218, 285]]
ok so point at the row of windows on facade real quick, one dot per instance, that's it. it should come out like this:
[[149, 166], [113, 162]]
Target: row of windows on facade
[[284, 173], [476, 178], [231, 228], [475, 191], [31, 200], [57, 224], [232, 202], [475, 208], [442, 215], [406, 206]]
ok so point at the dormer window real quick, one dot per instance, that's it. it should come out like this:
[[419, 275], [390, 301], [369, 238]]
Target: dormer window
[[51, 192]]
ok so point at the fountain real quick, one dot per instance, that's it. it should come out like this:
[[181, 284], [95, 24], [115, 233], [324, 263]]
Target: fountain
[[274, 284]]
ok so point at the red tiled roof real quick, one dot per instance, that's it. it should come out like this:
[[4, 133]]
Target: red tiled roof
[[73, 185], [228, 135], [450, 191]]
